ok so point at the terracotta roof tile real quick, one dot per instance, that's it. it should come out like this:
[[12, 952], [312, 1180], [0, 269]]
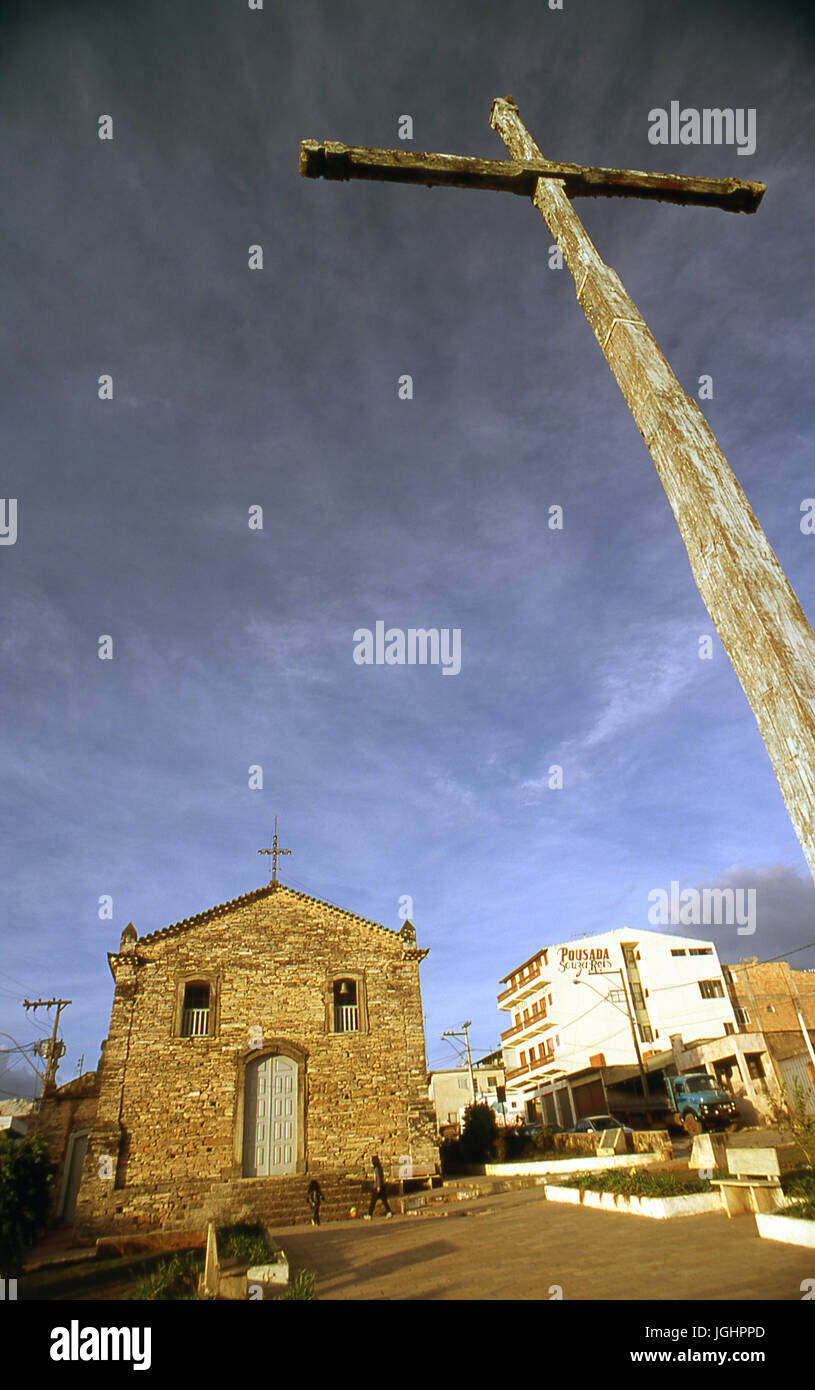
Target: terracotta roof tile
[[244, 900]]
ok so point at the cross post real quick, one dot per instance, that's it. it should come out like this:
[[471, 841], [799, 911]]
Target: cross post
[[275, 853], [752, 604]]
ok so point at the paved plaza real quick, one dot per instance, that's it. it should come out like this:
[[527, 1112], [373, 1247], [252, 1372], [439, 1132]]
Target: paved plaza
[[516, 1245]]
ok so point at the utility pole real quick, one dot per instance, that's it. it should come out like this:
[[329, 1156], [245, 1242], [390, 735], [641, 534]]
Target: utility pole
[[613, 1002], [761, 623], [53, 1053], [465, 1034], [635, 1039]]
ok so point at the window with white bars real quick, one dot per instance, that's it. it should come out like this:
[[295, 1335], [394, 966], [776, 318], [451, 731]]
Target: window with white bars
[[196, 1011]]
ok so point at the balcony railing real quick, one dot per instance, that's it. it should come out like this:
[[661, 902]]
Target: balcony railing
[[195, 1023], [537, 1016], [529, 1068], [346, 1019], [532, 979]]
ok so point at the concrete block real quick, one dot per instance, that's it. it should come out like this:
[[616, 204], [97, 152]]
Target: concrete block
[[277, 1273], [709, 1151]]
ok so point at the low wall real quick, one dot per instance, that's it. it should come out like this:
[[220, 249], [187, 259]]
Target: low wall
[[791, 1230], [568, 1165], [637, 1141]]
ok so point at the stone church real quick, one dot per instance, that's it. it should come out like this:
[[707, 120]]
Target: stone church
[[254, 1047]]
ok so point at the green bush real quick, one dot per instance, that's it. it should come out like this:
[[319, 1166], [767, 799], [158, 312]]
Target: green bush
[[450, 1156], [805, 1211], [544, 1140], [799, 1183], [792, 1114], [480, 1132], [26, 1180], [634, 1182], [245, 1242]]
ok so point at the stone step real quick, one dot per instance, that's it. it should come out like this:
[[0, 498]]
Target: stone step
[[466, 1190]]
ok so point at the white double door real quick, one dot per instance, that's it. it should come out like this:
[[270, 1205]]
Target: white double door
[[270, 1117]]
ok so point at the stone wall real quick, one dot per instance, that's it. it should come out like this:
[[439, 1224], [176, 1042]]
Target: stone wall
[[170, 1110], [61, 1113]]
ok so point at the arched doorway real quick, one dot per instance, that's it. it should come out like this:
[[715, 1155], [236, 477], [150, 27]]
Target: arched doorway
[[270, 1114]]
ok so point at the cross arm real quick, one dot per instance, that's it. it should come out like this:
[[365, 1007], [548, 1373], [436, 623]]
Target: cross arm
[[331, 160]]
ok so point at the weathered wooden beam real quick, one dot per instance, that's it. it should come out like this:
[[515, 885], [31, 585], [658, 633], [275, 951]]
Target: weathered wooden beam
[[757, 615], [331, 160]]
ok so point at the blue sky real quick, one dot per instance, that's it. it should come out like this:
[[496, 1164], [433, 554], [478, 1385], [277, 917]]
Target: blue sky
[[233, 388]]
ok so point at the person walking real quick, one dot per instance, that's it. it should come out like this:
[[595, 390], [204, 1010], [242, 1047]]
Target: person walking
[[379, 1194], [314, 1196]]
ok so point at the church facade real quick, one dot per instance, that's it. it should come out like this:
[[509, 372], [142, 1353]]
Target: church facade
[[255, 1047]]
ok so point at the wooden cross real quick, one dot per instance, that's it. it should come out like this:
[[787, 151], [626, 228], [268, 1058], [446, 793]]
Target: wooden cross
[[275, 853], [756, 613]]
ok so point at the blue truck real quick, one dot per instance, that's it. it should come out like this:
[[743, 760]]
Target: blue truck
[[692, 1101]]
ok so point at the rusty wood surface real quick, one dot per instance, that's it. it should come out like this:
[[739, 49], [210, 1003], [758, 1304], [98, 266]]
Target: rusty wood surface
[[331, 160], [757, 615]]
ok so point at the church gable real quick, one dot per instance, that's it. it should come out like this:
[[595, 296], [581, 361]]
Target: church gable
[[277, 952]]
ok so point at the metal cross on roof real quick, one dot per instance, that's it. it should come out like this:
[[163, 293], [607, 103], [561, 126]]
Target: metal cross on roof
[[758, 617], [275, 853]]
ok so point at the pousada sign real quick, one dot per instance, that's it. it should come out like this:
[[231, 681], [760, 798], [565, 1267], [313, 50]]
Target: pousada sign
[[593, 959]]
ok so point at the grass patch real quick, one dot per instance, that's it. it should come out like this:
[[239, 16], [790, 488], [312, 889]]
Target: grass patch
[[636, 1183], [300, 1288], [175, 1278], [90, 1279]]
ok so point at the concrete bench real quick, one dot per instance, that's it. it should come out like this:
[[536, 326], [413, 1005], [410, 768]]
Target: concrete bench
[[754, 1183], [403, 1171]]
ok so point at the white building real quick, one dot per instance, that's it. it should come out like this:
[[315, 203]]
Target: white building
[[572, 1006], [451, 1091]]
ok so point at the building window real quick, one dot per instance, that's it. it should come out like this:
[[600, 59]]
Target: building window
[[645, 1033], [492, 1082], [755, 1069], [463, 1083], [346, 1009], [677, 953], [728, 1029], [742, 1017], [711, 989], [195, 1015], [700, 951]]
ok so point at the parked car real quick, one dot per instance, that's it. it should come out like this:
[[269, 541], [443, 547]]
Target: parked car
[[595, 1124]]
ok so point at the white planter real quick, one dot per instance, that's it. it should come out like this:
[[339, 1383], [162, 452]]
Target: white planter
[[277, 1273], [658, 1208], [792, 1230]]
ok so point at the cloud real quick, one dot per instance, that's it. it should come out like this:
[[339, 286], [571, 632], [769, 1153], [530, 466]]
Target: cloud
[[785, 914]]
